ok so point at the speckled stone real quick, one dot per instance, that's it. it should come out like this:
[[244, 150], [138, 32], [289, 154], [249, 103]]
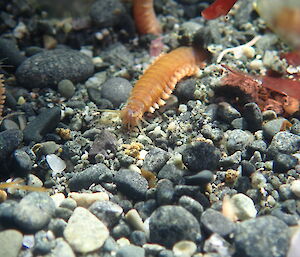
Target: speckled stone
[[155, 159], [49, 67]]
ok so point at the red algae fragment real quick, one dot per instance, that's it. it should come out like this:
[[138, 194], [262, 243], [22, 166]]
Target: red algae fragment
[[217, 9]]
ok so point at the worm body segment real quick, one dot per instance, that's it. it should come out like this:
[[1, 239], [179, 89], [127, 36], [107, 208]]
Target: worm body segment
[[159, 80], [145, 18]]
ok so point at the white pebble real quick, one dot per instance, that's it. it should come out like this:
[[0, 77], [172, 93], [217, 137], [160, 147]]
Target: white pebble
[[123, 241], [58, 198], [55, 163], [135, 220], [295, 187], [184, 248], [256, 64], [249, 51], [182, 108]]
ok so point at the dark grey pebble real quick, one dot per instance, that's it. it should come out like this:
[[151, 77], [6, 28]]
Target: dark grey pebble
[[57, 226], [257, 145], [63, 213], [68, 203], [170, 224], [7, 213], [171, 172], [253, 116], [231, 161], [121, 230], [191, 205], [106, 13], [131, 183], [66, 88], [105, 142], [239, 123], [201, 156], [8, 124], [110, 245], [106, 211], [185, 89], [253, 241], [48, 68], [164, 192], [285, 192], [215, 222], [238, 140], [34, 212], [22, 163], [215, 134], [116, 90], [42, 243], [284, 162], [283, 142], [270, 128], [138, 238], [44, 123], [10, 53], [201, 178], [119, 55], [155, 159], [247, 168], [289, 219], [145, 209], [91, 175], [9, 141], [227, 113], [192, 191], [130, 251]]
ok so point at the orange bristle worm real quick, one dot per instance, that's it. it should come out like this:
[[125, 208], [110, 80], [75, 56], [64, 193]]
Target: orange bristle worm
[[145, 18], [159, 80], [2, 94]]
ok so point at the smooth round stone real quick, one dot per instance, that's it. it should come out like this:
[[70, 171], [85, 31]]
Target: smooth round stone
[[11, 242], [48, 68], [43, 242], [116, 90], [87, 199], [244, 207], [85, 232], [227, 113], [164, 192], [138, 238], [57, 226], [184, 248], [22, 162], [191, 205], [284, 162], [66, 88], [253, 116], [155, 159], [270, 128], [170, 224], [62, 249], [295, 187], [9, 141], [131, 251], [201, 178], [262, 237], [238, 140]]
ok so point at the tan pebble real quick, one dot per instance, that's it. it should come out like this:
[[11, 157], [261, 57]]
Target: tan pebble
[[123, 241], [256, 64], [135, 220], [249, 51], [184, 248], [295, 187], [3, 196], [87, 199]]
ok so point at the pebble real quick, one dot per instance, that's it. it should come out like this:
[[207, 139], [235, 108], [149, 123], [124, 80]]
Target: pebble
[[116, 90], [215, 134], [184, 248], [295, 187], [270, 128], [7, 212], [138, 238], [247, 168], [85, 232], [43, 242], [283, 142], [243, 207], [191, 205], [87, 199], [201, 156], [170, 224], [66, 88], [215, 222], [34, 212], [134, 219], [9, 141], [253, 116], [238, 140], [164, 192], [253, 241], [107, 13], [62, 249], [131, 183], [9, 53], [130, 250], [257, 145], [22, 163], [185, 89], [106, 211], [201, 178], [56, 164], [44, 123], [171, 172], [89, 176], [227, 113], [121, 230], [217, 244], [155, 159], [48, 68], [284, 162], [11, 242], [57, 226]]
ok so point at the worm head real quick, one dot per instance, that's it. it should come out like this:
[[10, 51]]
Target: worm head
[[131, 115]]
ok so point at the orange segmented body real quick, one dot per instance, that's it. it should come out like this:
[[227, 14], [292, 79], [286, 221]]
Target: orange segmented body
[[159, 80], [145, 18], [2, 94]]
